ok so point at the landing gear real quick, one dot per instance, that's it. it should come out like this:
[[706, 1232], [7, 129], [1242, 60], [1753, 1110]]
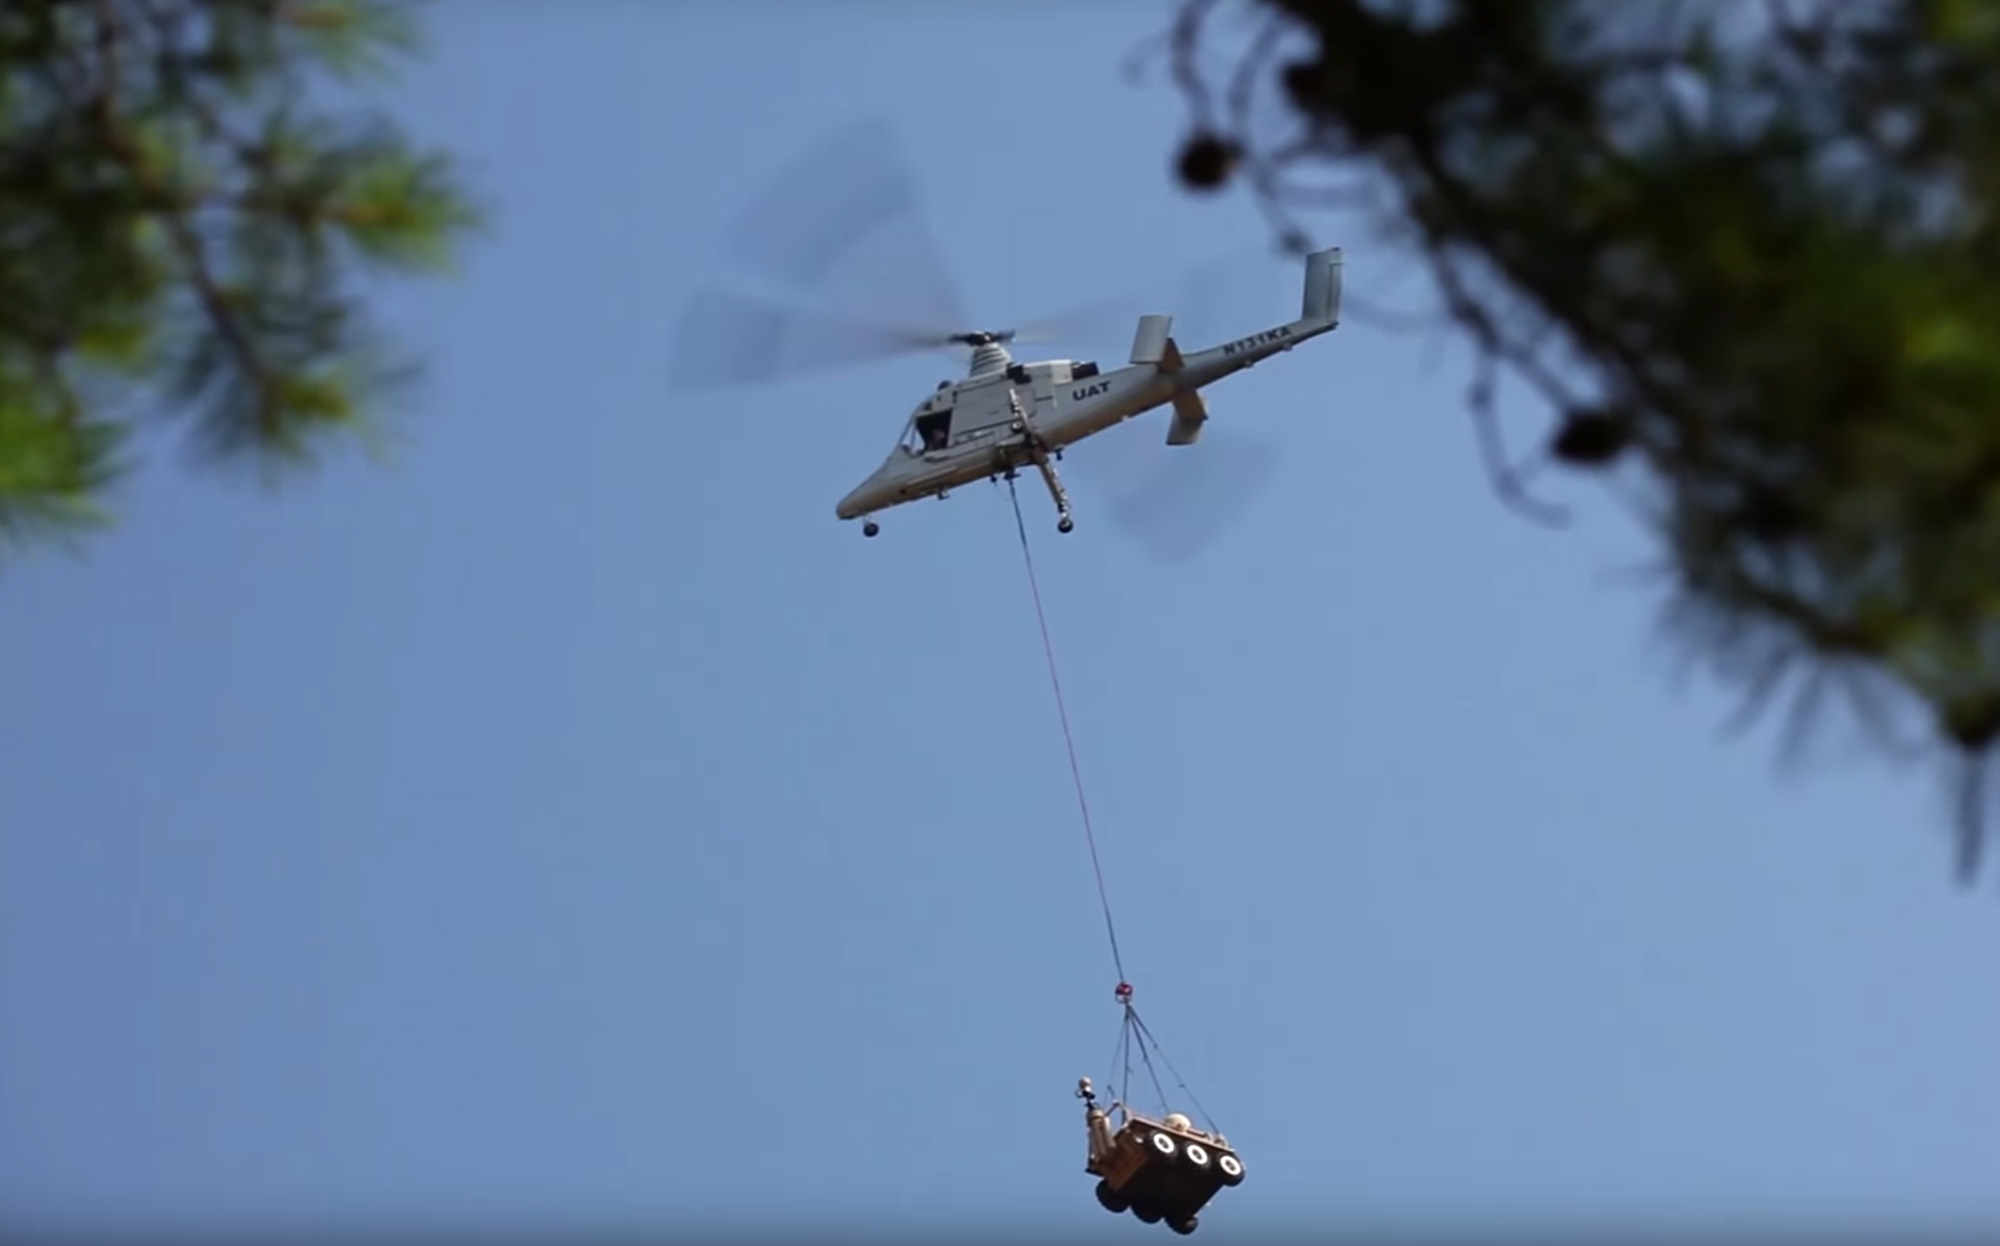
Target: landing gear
[[1061, 495], [871, 528]]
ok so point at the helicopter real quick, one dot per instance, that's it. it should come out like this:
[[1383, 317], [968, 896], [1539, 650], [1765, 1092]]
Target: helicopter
[[850, 210], [1006, 415]]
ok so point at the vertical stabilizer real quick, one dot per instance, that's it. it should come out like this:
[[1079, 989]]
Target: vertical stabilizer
[[1322, 293]]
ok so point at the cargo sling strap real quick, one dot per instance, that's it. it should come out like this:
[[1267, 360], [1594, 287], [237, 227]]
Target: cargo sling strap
[[1133, 1036]]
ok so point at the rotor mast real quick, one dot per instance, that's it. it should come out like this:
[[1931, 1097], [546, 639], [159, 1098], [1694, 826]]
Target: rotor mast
[[989, 355]]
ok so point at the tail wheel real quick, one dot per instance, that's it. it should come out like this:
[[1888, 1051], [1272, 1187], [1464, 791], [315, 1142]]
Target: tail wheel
[[1231, 1169], [1196, 1153], [1110, 1199], [1164, 1144]]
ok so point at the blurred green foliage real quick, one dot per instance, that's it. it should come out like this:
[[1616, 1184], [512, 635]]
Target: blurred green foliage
[[1749, 253], [183, 232]]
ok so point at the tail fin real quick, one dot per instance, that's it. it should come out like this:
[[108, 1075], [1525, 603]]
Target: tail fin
[[1322, 293], [1151, 341]]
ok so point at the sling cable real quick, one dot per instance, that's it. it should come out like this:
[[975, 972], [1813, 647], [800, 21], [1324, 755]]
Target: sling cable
[[1162, 1169]]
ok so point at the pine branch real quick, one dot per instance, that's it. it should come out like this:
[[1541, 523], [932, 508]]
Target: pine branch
[[181, 235], [1767, 241]]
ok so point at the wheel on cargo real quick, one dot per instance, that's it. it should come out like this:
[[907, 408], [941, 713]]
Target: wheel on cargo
[[1185, 1226], [1111, 1200], [1231, 1169]]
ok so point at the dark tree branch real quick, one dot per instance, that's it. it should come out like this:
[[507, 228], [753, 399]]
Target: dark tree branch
[[1762, 243]]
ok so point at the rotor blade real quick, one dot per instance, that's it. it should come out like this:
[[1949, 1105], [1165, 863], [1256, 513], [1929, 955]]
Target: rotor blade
[[1174, 500], [1195, 493], [727, 339], [845, 221], [1208, 300]]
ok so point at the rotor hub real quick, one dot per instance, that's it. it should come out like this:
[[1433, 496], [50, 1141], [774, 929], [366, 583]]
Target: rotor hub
[[989, 357]]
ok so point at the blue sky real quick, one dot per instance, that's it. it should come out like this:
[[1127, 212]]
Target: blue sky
[[536, 831]]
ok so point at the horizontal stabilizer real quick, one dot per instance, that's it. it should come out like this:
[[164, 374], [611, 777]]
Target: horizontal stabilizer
[[1190, 413], [1149, 344]]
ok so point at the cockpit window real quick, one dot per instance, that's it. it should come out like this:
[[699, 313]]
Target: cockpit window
[[932, 430]]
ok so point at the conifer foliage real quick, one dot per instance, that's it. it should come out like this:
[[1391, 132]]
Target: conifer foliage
[[1748, 254], [186, 226]]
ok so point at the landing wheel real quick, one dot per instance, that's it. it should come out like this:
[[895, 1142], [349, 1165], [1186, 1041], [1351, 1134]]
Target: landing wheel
[[1185, 1226], [871, 528], [1065, 524], [1111, 1200], [1147, 1215]]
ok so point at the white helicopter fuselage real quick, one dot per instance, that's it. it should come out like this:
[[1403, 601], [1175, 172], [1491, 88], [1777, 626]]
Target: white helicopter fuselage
[[1010, 415]]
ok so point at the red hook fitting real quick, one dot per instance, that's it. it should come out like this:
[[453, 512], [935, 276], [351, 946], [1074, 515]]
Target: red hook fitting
[[1124, 992]]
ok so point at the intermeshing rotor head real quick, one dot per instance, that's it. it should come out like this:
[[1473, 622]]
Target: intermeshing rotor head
[[984, 338], [989, 354]]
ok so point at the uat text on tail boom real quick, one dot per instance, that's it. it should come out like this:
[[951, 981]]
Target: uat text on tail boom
[[1005, 415]]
